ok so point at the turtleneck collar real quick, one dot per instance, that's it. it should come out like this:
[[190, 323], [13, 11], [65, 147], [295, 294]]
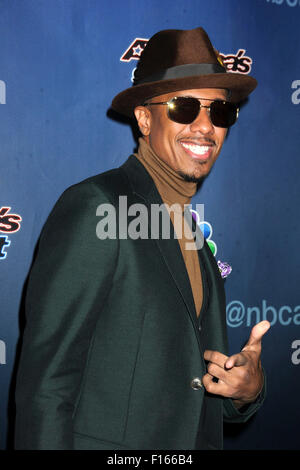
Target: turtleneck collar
[[171, 186]]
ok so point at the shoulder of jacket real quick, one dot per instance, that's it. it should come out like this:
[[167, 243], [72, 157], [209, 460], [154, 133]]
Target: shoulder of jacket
[[108, 185]]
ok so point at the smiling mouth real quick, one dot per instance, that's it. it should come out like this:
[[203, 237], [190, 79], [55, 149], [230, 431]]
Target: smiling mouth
[[200, 151], [197, 149]]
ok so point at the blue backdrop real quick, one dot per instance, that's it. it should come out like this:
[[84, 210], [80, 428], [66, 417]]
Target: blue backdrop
[[60, 66]]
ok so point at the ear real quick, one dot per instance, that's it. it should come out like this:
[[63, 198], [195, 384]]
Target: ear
[[143, 117]]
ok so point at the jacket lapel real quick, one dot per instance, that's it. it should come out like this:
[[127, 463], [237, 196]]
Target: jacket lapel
[[213, 323], [143, 185]]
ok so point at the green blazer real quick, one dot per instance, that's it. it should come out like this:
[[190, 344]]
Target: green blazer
[[112, 342]]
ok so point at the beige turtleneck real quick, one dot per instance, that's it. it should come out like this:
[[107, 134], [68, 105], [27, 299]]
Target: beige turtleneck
[[173, 189]]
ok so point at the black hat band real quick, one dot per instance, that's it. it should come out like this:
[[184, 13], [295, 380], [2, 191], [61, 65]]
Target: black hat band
[[182, 71]]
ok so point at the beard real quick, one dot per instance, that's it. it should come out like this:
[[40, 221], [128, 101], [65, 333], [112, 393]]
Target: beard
[[192, 178]]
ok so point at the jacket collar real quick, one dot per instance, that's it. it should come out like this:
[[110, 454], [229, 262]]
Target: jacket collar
[[139, 179]]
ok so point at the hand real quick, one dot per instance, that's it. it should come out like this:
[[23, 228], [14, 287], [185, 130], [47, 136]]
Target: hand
[[240, 376]]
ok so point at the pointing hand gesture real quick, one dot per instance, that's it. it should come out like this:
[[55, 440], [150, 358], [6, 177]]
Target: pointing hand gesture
[[240, 376]]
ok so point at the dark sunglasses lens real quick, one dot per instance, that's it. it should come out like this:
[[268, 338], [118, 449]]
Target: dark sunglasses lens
[[183, 110], [223, 114]]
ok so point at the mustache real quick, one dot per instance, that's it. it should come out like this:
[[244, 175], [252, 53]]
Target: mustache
[[198, 140]]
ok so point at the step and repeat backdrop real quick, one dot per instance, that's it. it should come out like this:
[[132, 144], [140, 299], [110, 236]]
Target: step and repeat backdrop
[[61, 63]]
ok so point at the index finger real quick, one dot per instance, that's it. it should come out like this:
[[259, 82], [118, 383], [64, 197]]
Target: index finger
[[236, 360], [216, 357]]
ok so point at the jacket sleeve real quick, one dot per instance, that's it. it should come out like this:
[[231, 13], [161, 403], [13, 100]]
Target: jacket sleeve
[[233, 415], [68, 283]]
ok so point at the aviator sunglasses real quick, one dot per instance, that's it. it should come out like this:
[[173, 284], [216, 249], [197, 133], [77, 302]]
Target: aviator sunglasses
[[185, 109]]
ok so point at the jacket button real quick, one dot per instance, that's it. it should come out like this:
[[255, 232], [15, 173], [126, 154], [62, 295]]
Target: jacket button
[[196, 383]]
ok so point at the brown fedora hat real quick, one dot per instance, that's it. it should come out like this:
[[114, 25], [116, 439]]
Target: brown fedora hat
[[176, 60]]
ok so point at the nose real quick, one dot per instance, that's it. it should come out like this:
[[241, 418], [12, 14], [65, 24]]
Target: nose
[[202, 122]]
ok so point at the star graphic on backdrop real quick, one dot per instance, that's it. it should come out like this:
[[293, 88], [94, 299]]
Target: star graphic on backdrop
[[137, 50]]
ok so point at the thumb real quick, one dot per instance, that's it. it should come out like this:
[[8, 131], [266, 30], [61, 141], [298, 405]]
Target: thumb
[[257, 332]]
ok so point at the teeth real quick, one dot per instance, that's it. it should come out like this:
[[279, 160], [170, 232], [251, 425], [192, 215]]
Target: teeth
[[197, 149]]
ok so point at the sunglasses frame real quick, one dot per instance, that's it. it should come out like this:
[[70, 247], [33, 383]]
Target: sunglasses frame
[[170, 104]]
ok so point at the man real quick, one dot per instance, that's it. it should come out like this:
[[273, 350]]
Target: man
[[125, 345]]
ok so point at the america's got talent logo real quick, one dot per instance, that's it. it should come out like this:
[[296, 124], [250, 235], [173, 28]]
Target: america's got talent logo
[[134, 50], [9, 223], [235, 63]]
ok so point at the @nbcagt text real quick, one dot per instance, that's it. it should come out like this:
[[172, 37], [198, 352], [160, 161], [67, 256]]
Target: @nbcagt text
[[150, 459]]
